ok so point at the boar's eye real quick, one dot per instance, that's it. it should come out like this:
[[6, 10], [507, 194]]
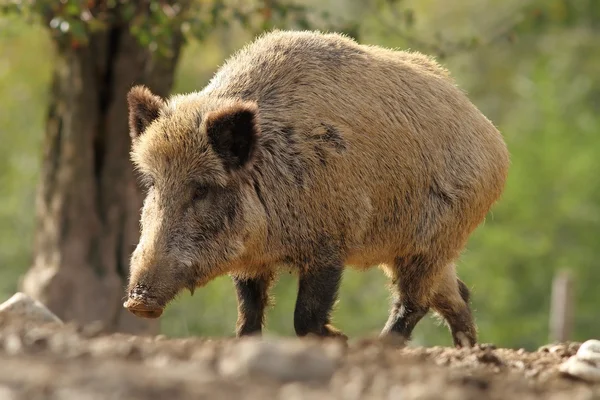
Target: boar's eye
[[147, 183], [200, 191]]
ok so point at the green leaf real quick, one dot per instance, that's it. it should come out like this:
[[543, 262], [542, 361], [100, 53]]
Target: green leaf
[[72, 9], [78, 30]]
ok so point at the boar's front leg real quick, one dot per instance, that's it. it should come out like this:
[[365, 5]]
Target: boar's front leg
[[253, 298], [317, 292]]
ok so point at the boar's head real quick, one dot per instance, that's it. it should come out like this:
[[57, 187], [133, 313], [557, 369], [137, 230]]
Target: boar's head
[[194, 156]]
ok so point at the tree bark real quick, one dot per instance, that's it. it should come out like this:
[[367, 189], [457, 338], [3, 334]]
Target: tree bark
[[88, 200]]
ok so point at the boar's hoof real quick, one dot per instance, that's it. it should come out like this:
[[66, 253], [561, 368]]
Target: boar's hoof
[[142, 310]]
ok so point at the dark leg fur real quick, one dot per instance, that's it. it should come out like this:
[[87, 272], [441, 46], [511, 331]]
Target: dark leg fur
[[413, 279], [452, 303], [464, 291], [317, 292], [404, 316], [253, 298]]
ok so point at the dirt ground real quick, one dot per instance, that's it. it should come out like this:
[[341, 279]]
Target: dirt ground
[[83, 363]]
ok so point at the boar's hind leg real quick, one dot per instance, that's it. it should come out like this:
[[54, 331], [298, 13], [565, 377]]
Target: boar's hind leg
[[412, 279], [253, 298], [317, 292], [452, 303]]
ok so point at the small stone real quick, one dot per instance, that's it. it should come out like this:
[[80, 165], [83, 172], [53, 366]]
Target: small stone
[[395, 393], [159, 361], [544, 349], [590, 351], [204, 354], [443, 361], [93, 329], [335, 349], [76, 394], [532, 373], [379, 384], [580, 369], [107, 348], [36, 339], [585, 364], [574, 347], [474, 381], [488, 357], [291, 391], [519, 365], [283, 360], [487, 346], [7, 393], [13, 344], [354, 386]]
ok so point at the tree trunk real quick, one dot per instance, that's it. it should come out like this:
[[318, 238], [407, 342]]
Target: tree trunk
[[88, 199]]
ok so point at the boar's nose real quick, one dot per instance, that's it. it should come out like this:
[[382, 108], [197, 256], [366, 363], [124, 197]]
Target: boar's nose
[[141, 304]]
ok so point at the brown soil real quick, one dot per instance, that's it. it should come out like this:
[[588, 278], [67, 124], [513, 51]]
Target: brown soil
[[69, 362]]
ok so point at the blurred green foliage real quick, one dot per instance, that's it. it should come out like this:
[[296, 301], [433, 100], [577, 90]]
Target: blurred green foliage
[[25, 67], [530, 66]]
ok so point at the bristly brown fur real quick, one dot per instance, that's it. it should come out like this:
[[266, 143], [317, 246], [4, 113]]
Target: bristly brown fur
[[353, 155]]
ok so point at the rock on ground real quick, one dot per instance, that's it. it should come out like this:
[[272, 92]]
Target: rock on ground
[[25, 306]]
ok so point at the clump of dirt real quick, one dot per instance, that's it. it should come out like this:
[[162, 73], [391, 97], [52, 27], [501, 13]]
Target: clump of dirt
[[50, 361]]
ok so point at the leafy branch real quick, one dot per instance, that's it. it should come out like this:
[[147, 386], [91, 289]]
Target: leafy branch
[[154, 23]]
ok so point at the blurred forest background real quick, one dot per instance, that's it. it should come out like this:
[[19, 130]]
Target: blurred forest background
[[531, 66]]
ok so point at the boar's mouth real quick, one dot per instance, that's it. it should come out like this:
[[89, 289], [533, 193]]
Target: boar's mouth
[[148, 301], [141, 304], [142, 310]]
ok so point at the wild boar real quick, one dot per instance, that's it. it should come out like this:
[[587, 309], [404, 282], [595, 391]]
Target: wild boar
[[312, 152]]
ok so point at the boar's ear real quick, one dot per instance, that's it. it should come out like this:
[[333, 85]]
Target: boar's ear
[[233, 132], [144, 107]]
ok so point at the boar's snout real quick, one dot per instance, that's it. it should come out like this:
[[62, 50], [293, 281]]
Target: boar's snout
[[141, 304]]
